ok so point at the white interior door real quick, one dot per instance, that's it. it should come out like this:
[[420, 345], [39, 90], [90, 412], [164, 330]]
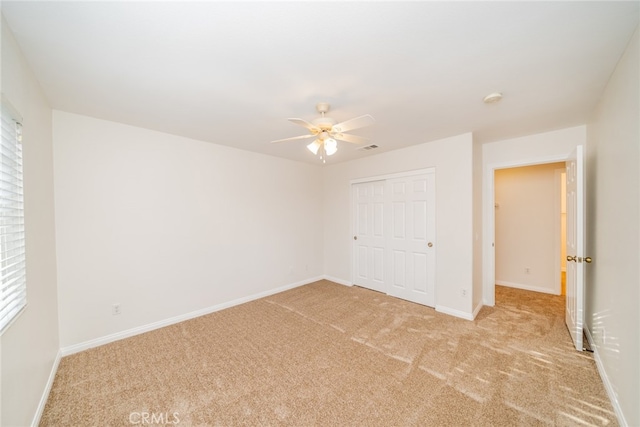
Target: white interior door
[[574, 316], [411, 238], [369, 235]]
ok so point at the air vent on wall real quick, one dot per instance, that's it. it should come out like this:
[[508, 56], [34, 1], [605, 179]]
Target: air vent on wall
[[368, 147]]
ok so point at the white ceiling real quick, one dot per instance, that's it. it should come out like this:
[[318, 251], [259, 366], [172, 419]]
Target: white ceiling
[[232, 72]]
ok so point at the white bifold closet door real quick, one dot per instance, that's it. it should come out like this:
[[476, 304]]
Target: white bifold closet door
[[394, 237]]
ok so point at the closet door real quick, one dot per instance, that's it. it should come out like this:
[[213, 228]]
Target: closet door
[[369, 235], [411, 240]]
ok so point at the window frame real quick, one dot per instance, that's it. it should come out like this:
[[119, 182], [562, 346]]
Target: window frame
[[13, 283]]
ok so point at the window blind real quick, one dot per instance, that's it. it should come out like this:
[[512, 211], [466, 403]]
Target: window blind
[[13, 288]]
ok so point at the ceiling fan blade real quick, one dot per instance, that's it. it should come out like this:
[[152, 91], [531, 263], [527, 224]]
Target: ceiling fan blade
[[310, 126], [349, 138], [358, 122], [293, 138]]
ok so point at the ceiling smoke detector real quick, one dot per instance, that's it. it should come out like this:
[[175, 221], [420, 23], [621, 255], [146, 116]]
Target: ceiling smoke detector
[[492, 98]]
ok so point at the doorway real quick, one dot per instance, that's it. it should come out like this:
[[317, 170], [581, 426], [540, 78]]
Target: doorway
[[488, 207], [574, 300], [529, 227]]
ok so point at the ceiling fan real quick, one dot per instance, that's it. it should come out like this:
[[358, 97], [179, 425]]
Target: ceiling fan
[[327, 131]]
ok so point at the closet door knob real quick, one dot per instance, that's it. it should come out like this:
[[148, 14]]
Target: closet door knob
[[355, 237]]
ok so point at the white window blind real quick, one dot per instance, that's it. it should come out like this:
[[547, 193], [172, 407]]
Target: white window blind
[[13, 288]]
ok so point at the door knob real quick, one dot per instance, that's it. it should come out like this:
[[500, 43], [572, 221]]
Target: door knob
[[355, 237], [571, 258], [588, 260], [430, 244]]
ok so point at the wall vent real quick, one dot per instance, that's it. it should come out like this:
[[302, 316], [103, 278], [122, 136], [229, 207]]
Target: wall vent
[[368, 147]]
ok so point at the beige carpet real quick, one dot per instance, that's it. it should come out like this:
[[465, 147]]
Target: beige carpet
[[330, 355]]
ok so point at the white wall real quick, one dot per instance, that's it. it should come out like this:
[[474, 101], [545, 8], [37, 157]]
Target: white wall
[[533, 149], [523, 151], [613, 237], [30, 346], [166, 226], [452, 159], [527, 232]]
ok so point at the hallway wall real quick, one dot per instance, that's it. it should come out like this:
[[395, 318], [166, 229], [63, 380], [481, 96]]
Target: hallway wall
[[613, 235]]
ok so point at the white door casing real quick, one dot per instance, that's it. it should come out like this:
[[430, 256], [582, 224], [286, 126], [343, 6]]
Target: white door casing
[[411, 238], [369, 235], [574, 313]]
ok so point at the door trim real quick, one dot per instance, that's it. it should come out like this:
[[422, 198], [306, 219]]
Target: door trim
[[392, 176], [557, 227]]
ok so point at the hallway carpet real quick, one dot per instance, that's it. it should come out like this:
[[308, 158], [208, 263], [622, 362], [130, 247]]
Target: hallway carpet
[[330, 355]]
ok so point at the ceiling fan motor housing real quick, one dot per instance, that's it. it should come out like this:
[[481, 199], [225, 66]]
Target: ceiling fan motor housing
[[324, 123]]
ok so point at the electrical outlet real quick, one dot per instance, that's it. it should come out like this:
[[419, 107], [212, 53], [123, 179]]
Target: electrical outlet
[[527, 270], [463, 292], [115, 309]]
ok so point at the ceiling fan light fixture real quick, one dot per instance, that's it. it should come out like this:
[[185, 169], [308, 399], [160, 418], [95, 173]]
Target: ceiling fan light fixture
[[330, 146], [314, 146], [326, 132]]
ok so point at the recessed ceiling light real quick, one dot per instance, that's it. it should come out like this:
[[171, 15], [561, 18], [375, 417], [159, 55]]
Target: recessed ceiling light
[[492, 98]]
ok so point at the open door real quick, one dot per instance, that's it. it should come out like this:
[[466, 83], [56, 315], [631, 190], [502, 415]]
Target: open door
[[574, 315]]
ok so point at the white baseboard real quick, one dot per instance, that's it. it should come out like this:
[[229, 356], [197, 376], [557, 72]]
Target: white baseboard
[[605, 379], [526, 287], [454, 312], [477, 310], [440, 308], [47, 389], [76, 348], [336, 280]]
